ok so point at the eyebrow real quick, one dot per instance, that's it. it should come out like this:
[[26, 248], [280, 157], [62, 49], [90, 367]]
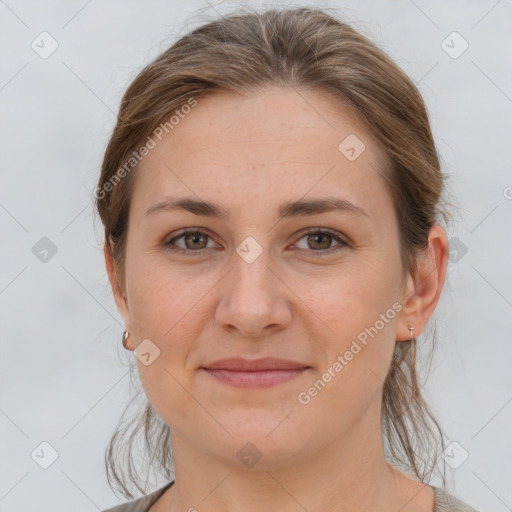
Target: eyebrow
[[286, 210]]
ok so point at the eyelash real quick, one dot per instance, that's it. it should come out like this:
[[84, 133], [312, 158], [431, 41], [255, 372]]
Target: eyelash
[[316, 231]]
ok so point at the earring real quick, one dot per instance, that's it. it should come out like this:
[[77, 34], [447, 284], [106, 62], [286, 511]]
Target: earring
[[125, 338], [412, 333]]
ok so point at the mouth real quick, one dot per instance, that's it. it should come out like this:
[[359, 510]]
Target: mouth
[[258, 373]]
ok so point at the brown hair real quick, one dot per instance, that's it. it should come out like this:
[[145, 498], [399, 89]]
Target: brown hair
[[308, 48]]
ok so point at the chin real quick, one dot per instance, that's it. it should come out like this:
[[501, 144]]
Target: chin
[[261, 447], [258, 453]]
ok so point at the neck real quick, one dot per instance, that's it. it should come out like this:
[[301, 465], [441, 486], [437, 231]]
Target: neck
[[350, 475]]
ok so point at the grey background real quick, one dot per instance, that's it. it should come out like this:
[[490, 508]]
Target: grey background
[[64, 377]]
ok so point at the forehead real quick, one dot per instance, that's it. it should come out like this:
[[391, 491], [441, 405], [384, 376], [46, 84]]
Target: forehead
[[282, 143], [275, 120]]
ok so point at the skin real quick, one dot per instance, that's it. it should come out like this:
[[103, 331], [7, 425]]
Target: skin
[[252, 153]]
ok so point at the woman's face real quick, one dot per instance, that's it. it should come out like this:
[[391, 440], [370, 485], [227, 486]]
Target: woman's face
[[254, 284]]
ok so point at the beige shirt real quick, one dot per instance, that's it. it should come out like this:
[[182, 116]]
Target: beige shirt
[[444, 502]]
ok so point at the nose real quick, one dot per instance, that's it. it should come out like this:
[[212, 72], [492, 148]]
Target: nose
[[253, 299]]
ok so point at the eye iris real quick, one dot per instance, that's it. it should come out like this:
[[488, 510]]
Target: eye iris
[[194, 236], [317, 235]]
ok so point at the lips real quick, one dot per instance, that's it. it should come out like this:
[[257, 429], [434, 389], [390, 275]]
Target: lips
[[255, 365], [258, 373]]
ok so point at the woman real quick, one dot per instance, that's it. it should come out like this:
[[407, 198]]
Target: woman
[[272, 199]]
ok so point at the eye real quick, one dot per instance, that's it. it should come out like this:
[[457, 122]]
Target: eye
[[320, 240], [196, 242]]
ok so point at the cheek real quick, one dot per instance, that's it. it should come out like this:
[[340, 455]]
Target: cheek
[[162, 317], [356, 315], [353, 297], [166, 298], [357, 356], [167, 308]]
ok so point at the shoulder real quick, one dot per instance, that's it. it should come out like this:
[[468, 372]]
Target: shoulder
[[445, 502], [142, 504]]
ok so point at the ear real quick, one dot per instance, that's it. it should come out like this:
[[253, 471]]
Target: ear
[[423, 290], [119, 294]]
